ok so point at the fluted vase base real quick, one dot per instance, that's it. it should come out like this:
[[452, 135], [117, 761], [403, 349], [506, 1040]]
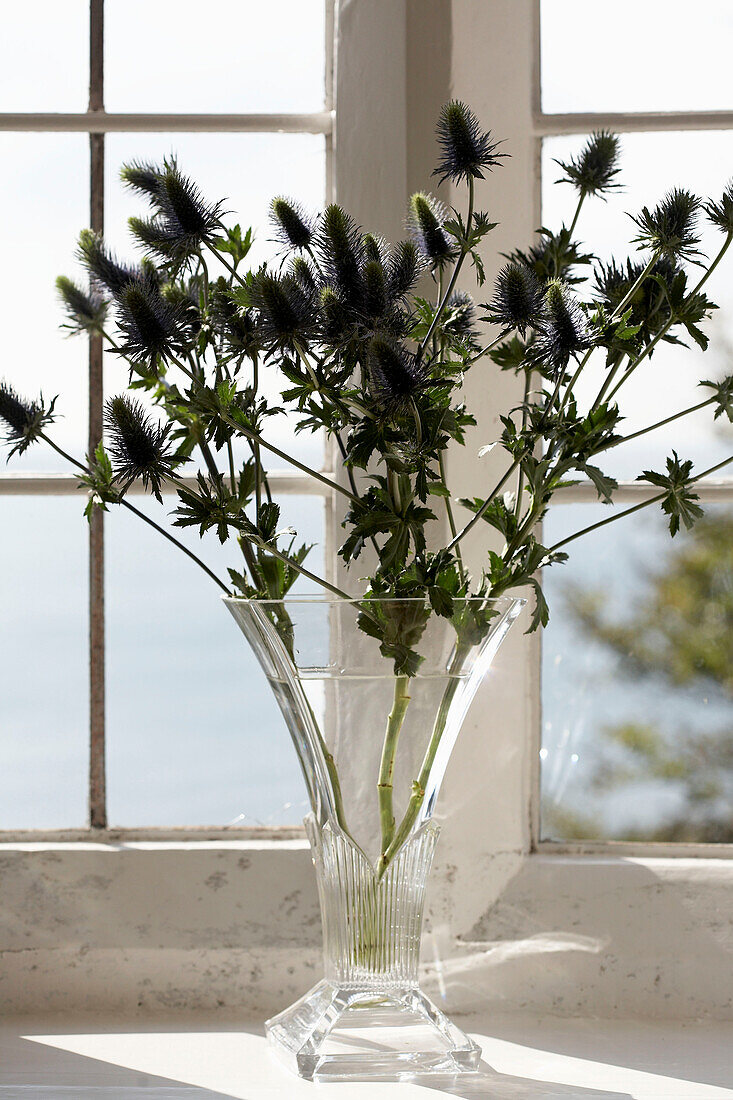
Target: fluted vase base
[[345, 1034]]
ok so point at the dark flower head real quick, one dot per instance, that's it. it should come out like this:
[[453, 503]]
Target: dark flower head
[[185, 215], [518, 299], [235, 326], [143, 178], [671, 227], [305, 275], [23, 420], [594, 169], [554, 256], [405, 266], [102, 265], [460, 315], [564, 330], [86, 310], [336, 323], [341, 249], [425, 220], [395, 375], [721, 213], [376, 249], [375, 289], [293, 226], [467, 151], [152, 234], [285, 313], [152, 326], [139, 448]]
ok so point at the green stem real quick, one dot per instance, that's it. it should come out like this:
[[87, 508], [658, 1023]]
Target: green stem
[[386, 768], [230, 268], [636, 507], [662, 332], [232, 476], [520, 484], [419, 786], [451, 517], [658, 424], [477, 515], [141, 515], [302, 570], [454, 277], [574, 222], [489, 347], [614, 316]]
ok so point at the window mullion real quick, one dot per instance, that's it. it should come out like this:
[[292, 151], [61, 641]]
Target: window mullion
[[97, 776]]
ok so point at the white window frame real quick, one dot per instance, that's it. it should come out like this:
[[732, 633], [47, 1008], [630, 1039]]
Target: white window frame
[[379, 148], [97, 122]]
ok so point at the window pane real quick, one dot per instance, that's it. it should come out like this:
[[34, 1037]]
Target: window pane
[[247, 170], [194, 734], [222, 57], [637, 680], [47, 195], [668, 382], [659, 55], [44, 56], [43, 663]]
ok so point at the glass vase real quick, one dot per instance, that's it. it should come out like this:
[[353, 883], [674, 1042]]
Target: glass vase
[[374, 694]]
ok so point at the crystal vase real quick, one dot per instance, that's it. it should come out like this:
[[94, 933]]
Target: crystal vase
[[373, 744]]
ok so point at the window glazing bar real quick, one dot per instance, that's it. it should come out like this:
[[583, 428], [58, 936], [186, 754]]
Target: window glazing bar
[[632, 492], [97, 772], [68, 484], [623, 122], [99, 122]]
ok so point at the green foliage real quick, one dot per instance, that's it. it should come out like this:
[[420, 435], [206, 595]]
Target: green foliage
[[679, 500], [358, 350]]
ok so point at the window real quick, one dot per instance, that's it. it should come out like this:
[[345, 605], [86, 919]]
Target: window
[[248, 125], [636, 691]]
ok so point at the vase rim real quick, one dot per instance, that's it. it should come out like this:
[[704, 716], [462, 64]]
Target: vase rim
[[306, 598]]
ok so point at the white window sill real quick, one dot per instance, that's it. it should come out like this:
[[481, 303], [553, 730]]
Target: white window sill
[[210, 1057]]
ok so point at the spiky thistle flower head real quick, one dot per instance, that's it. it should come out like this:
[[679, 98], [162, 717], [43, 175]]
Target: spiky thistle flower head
[[564, 329], [395, 375], [335, 321], [102, 265], [467, 151], [671, 227], [426, 219], [341, 249], [721, 213], [460, 315], [293, 226], [405, 266], [236, 327], [518, 299], [143, 178], [154, 237], [152, 326], [185, 215], [593, 171], [305, 275], [139, 448], [285, 312], [86, 311], [376, 297], [376, 249], [23, 420]]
